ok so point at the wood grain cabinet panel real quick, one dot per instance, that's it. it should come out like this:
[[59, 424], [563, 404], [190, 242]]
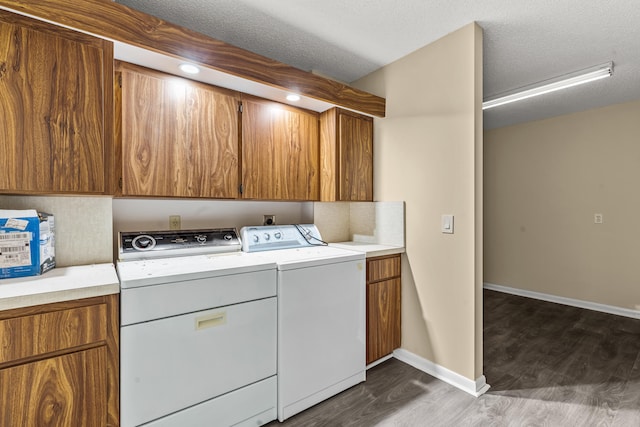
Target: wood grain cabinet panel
[[381, 268], [346, 156], [55, 108], [383, 306], [280, 152], [59, 364], [65, 391], [38, 334], [115, 21], [179, 138]]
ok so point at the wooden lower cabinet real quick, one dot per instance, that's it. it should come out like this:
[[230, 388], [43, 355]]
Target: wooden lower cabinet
[[383, 306], [59, 364], [47, 392]]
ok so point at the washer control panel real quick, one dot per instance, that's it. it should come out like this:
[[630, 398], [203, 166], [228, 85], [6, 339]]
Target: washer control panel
[[271, 237], [156, 244]]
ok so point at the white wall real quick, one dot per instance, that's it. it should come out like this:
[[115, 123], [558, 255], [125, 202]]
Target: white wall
[[365, 222], [153, 214]]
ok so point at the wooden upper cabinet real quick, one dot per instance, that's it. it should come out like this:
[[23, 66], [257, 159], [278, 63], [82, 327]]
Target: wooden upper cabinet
[[55, 108], [280, 152], [346, 155], [179, 138]]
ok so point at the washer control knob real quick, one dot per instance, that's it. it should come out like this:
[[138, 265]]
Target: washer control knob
[[256, 238], [267, 236], [277, 235], [143, 242], [201, 238], [228, 237]]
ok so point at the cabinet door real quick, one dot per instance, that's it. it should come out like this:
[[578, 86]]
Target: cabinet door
[[55, 85], [280, 152], [383, 318], [346, 156], [179, 137], [68, 390], [355, 133]]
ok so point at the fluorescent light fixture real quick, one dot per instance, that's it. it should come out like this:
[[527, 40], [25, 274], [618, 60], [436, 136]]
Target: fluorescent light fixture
[[293, 97], [574, 79], [189, 68]]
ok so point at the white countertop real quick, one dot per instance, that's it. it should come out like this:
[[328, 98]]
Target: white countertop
[[370, 249], [59, 284]]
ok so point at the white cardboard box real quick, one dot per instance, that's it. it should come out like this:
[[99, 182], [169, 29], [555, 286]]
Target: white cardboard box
[[27, 243]]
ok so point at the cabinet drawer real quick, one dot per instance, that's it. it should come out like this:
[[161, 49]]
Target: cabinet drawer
[[38, 334], [383, 268]]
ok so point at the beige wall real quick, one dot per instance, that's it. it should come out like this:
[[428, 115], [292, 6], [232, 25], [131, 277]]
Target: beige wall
[[544, 181], [83, 226], [87, 227], [428, 152]]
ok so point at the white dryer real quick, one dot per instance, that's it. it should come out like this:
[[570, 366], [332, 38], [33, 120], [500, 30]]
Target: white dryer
[[321, 314], [198, 331]]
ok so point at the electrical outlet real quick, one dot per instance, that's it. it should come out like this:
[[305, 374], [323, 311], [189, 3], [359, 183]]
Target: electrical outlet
[[597, 218], [174, 222], [268, 220]]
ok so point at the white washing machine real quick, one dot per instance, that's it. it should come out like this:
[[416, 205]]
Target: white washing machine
[[321, 314]]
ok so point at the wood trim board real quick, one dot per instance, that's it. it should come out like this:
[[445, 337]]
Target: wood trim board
[[116, 22]]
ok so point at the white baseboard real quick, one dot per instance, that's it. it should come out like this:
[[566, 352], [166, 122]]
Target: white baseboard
[[474, 388], [610, 309], [379, 361]]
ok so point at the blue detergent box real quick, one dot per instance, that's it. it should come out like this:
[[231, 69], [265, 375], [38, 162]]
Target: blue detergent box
[[27, 243]]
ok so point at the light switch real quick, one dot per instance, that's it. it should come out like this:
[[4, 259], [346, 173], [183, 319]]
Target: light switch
[[447, 224]]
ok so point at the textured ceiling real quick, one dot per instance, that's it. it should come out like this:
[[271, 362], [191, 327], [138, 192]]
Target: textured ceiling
[[525, 41]]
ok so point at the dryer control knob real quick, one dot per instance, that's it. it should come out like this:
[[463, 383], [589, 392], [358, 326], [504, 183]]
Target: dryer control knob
[[143, 243]]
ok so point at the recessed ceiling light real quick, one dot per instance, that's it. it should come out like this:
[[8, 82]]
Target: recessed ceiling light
[[189, 68], [292, 97]]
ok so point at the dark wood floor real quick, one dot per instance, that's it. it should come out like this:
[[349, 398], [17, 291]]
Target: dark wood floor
[[547, 364]]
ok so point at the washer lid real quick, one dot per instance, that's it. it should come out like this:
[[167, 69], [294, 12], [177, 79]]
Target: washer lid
[[157, 271], [289, 259]]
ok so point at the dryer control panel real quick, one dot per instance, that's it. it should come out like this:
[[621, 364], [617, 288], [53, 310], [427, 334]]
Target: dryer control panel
[[154, 244], [272, 237]]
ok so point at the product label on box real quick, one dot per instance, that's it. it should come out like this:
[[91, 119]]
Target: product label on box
[[18, 224], [15, 249]]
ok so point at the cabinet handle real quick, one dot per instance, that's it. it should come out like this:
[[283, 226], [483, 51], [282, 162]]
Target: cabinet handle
[[211, 320]]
